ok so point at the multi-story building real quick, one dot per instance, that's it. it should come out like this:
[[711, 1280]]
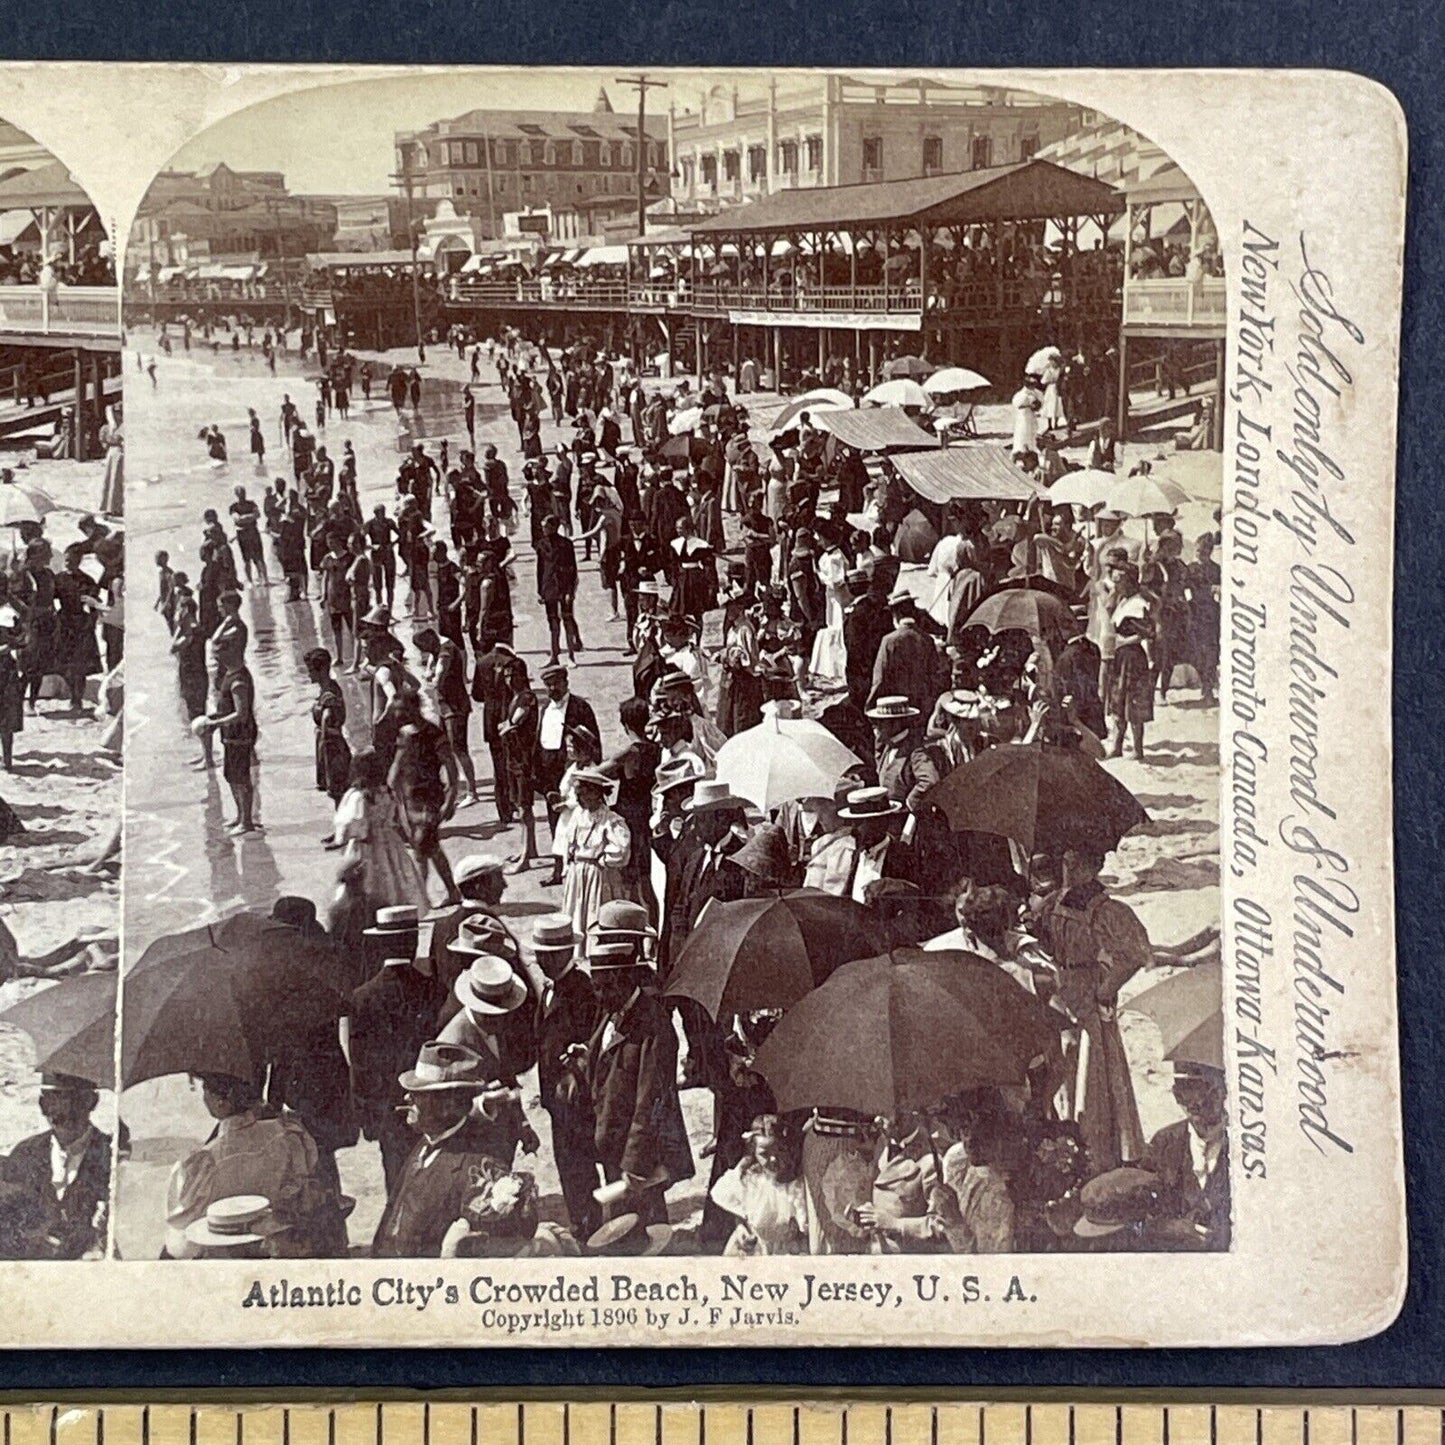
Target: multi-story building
[[490, 163], [732, 145]]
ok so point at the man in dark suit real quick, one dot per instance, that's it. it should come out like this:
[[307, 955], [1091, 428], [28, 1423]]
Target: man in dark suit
[[458, 1151], [638, 1128], [865, 624], [1191, 1159], [561, 714], [566, 1016], [908, 662], [392, 1015], [557, 586], [491, 686], [63, 1173]]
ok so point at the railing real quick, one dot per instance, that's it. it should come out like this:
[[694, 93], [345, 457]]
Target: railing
[[608, 295], [1175, 301], [61, 311]]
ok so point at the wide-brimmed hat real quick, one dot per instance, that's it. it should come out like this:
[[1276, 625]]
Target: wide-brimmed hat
[[710, 795], [445, 1066], [595, 776], [866, 803], [1110, 514], [236, 1220], [1116, 1200], [675, 773], [901, 597], [476, 865], [766, 856], [53, 1081], [401, 918], [489, 986], [898, 1191], [628, 1235], [891, 709], [553, 933], [623, 918], [960, 703]]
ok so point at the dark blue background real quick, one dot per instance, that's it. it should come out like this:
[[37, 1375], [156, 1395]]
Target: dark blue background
[[1397, 44]]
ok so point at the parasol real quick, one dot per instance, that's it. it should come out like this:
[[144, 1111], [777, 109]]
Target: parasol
[[684, 420], [19, 503], [902, 1032], [1088, 487], [954, 380], [1188, 1009], [824, 399], [224, 998], [1042, 359], [72, 1025], [901, 391], [913, 367], [1144, 495], [1024, 609], [762, 953], [1047, 799], [782, 759]]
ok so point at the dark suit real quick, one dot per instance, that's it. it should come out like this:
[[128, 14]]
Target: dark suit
[[68, 1221], [550, 763], [557, 586], [392, 1016], [907, 666], [865, 625], [491, 688], [639, 1128], [432, 1188], [1189, 1216], [567, 1017]]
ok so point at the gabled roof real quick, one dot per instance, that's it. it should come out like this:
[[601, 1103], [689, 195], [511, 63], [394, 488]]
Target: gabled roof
[[980, 472], [560, 125], [875, 429], [49, 185], [1169, 184], [1024, 191]]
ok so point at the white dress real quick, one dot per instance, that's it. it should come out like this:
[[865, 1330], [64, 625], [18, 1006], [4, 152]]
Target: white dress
[[1053, 407], [1026, 403], [594, 848], [368, 826], [774, 1215], [829, 663]]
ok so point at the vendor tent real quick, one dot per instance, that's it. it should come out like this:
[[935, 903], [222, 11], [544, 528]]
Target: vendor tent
[[982, 473], [876, 429]]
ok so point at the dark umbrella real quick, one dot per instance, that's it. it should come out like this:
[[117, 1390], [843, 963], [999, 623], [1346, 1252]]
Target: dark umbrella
[[223, 998], [72, 1025], [911, 366], [713, 411], [769, 952], [1024, 609], [1037, 582], [683, 447], [1047, 799], [904, 1031], [1189, 1012]]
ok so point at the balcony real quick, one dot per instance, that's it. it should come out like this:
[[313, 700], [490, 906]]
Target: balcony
[[1174, 301], [63, 311]]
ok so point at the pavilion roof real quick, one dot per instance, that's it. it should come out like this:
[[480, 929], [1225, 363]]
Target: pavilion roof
[[1168, 184], [47, 185], [876, 429], [979, 472], [1024, 191]]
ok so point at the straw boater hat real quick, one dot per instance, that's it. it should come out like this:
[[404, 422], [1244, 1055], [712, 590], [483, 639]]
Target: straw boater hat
[[445, 1066], [233, 1221], [392, 922], [710, 795], [961, 703], [628, 1235], [553, 933], [891, 709], [864, 803], [476, 865], [901, 597], [489, 986], [648, 589], [553, 669]]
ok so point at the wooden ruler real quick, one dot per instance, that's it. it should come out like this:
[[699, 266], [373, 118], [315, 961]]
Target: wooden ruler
[[723, 1419]]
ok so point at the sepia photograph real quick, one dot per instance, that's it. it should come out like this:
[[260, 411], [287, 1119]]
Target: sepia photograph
[[62, 682], [677, 709]]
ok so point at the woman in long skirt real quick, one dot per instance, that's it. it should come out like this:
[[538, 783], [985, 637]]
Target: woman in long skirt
[[1202, 583], [368, 827], [1131, 682], [77, 653], [12, 681], [595, 848]]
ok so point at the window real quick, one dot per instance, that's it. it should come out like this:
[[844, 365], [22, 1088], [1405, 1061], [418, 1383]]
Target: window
[[732, 165], [577, 155], [461, 190], [549, 153], [980, 153], [815, 153], [526, 185], [504, 156], [471, 152], [628, 159], [788, 157], [757, 162], [872, 154], [709, 170], [932, 154], [524, 153], [1028, 147], [688, 167], [604, 154], [502, 184]]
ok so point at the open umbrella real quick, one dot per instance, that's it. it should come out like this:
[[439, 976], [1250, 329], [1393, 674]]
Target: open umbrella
[[1025, 609], [954, 381], [761, 953], [914, 367], [72, 1025], [1188, 1009], [783, 759], [1087, 487], [19, 503], [1042, 359], [824, 399], [1144, 495], [902, 1032], [222, 998], [1047, 799], [684, 419], [899, 392]]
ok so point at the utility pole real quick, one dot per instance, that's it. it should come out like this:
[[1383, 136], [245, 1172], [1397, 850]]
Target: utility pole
[[641, 84], [405, 179]]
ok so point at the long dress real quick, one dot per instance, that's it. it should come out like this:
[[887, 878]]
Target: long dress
[[740, 692], [12, 681], [595, 847], [1026, 404], [1098, 944], [112, 487], [367, 824], [829, 663], [1131, 683], [77, 653]]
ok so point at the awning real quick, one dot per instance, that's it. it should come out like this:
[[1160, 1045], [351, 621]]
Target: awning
[[211, 271], [980, 473], [46, 186], [238, 273], [13, 225], [169, 273], [603, 256], [473, 264], [876, 429]]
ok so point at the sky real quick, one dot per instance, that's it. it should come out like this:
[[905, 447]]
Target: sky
[[339, 139]]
